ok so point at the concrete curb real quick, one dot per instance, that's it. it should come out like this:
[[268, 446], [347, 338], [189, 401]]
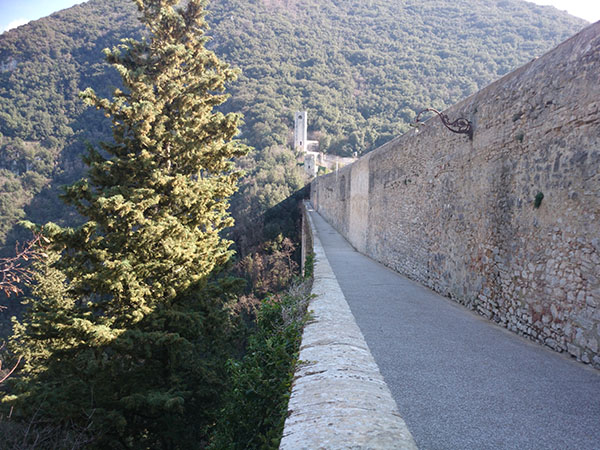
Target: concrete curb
[[339, 399]]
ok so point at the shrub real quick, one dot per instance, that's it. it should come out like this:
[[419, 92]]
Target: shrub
[[260, 382]]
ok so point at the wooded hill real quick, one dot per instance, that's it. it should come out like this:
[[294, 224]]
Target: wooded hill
[[362, 69]]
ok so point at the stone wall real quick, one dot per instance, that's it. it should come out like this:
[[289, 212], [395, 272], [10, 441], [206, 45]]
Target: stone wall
[[461, 216]]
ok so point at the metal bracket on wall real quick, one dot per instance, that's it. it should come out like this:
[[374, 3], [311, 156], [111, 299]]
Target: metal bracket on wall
[[460, 125]]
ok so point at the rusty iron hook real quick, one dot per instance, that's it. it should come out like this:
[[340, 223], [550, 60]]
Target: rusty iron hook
[[460, 125]]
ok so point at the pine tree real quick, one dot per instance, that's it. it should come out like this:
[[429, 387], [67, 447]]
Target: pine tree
[[124, 335]]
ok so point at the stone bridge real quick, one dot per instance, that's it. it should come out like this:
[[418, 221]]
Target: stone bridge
[[507, 225]]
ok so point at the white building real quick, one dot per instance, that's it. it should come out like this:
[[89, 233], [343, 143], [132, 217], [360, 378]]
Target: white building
[[310, 164], [300, 131], [313, 159]]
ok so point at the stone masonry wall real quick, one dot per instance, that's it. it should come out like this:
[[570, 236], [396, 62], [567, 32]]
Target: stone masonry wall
[[460, 216]]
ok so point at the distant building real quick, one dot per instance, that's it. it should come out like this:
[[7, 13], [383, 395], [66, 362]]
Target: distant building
[[300, 131], [312, 146], [313, 159], [310, 164]]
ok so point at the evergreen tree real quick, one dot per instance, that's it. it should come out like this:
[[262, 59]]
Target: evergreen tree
[[125, 335]]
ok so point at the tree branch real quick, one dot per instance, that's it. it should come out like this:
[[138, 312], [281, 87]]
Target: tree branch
[[16, 269]]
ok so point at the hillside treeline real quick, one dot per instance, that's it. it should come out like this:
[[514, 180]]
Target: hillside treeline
[[361, 69]]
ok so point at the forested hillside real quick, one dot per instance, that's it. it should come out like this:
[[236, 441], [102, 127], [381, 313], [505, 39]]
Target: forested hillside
[[44, 125], [361, 68]]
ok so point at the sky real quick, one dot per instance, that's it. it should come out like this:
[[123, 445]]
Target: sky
[[18, 12]]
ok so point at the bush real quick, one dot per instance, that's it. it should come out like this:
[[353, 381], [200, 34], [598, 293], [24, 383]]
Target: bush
[[309, 265], [23, 436], [260, 382]]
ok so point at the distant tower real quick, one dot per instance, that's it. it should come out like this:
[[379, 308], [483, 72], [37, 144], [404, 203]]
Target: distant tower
[[300, 130], [310, 164]]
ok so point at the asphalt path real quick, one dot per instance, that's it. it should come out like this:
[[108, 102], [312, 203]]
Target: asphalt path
[[460, 381]]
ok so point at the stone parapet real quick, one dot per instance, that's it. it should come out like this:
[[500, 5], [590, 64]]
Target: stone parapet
[[339, 399]]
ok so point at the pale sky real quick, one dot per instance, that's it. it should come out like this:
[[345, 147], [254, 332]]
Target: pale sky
[[18, 12], [586, 9], [14, 13]]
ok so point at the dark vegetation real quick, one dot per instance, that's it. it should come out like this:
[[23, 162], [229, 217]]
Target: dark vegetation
[[202, 355], [137, 335]]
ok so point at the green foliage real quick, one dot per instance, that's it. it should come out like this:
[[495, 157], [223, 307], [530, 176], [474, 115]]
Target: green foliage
[[43, 123], [124, 333], [261, 207], [538, 200], [260, 383], [23, 436], [323, 171], [363, 70], [360, 88], [309, 265]]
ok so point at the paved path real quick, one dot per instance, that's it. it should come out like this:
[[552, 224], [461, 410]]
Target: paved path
[[460, 381]]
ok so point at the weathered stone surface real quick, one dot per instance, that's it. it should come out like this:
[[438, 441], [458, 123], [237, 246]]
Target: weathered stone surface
[[339, 399], [459, 216]]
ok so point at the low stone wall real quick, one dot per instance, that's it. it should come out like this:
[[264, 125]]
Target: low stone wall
[[339, 399], [508, 223]]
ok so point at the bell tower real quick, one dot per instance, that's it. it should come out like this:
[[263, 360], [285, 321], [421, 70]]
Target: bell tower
[[300, 130]]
